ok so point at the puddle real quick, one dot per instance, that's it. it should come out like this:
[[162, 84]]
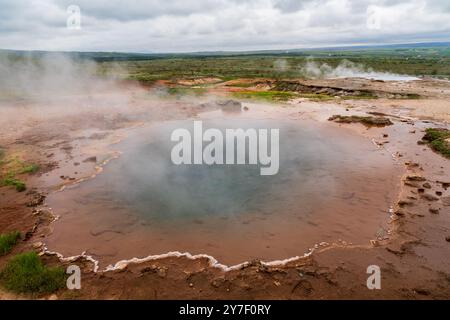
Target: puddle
[[332, 185]]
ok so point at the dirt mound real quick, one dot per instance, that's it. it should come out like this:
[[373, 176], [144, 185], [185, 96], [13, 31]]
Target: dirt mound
[[297, 86], [368, 121]]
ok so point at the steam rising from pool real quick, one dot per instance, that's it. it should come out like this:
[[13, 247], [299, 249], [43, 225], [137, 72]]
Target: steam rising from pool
[[326, 189]]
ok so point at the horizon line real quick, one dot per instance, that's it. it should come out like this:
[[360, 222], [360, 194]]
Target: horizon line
[[342, 46]]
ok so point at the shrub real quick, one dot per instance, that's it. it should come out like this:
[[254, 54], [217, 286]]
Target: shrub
[[32, 168], [7, 241], [25, 273], [18, 184], [437, 139]]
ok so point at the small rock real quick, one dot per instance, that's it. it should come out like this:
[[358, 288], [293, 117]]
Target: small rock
[[90, 159], [413, 184], [439, 193], [427, 185], [162, 272], [229, 105], [415, 178], [430, 197], [36, 200], [152, 268], [445, 185], [447, 238], [434, 210], [53, 297], [37, 245], [399, 213], [216, 283], [403, 203], [423, 292], [446, 201]]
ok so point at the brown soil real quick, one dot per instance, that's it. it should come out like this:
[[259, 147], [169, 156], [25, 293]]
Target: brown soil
[[368, 121], [413, 257]]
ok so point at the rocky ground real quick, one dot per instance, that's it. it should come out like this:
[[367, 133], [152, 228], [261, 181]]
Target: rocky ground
[[413, 255]]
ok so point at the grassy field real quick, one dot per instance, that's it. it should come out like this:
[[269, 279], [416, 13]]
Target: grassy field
[[420, 60], [412, 61], [264, 67], [147, 69]]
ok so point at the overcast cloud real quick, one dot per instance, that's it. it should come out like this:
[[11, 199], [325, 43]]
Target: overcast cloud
[[209, 25]]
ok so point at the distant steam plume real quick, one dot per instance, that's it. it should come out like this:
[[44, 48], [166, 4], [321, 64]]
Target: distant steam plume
[[347, 69]]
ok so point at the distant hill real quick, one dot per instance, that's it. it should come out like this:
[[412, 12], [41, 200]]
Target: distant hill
[[437, 49]]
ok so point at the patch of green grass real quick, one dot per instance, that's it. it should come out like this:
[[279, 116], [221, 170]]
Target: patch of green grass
[[7, 241], [186, 91], [32, 168], [241, 85], [437, 139], [359, 97], [412, 96], [317, 96], [265, 95], [25, 273], [18, 184], [365, 120], [2, 158], [10, 167]]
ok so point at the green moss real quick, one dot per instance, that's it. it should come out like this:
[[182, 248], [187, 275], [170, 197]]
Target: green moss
[[366, 120], [265, 95], [316, 96], [7, 241], [412, 96], [181, 91], [437, 139], [25, 273], [32, 168], [18, 184], [359, 97], [10, 167]]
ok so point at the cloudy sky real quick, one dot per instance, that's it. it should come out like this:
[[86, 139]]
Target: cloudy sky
[[210, 25]]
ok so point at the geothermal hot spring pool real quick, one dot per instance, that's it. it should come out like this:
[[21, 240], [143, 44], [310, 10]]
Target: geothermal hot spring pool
[[332, 185]]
